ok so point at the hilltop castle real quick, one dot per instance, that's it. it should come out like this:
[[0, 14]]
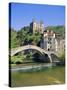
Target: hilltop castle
[[36, 27]]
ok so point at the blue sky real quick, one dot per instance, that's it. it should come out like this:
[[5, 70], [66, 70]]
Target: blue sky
[[22, 14]]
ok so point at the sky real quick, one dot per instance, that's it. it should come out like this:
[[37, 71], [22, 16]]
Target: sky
[[22, 14]]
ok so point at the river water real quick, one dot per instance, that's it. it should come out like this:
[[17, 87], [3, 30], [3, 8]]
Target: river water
[[46, 76]]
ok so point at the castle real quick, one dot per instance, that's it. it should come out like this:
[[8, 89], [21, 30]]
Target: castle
[[36, 27]]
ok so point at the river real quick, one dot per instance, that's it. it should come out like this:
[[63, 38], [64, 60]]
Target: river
[[46, 76]]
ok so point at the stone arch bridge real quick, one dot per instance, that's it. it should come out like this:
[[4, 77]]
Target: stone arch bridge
[[26, 47]]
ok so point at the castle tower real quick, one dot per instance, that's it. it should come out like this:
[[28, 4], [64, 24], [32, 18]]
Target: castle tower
[[41, 27], [33, 26]]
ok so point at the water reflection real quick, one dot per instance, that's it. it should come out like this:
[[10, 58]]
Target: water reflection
[[46, 76]]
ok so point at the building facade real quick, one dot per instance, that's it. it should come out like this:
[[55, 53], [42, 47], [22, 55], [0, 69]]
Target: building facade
[[48, 40]]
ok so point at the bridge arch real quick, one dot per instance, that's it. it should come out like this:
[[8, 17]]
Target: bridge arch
[[26, 47]]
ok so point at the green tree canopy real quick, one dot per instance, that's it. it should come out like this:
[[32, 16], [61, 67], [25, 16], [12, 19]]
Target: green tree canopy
[[13, 40]]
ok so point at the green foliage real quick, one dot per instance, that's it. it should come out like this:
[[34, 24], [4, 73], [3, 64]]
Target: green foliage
[[36, 37], [13, 40], [22, 35], [25, 36], [62, 57], [17, 58], [29, 55], [22, 58]]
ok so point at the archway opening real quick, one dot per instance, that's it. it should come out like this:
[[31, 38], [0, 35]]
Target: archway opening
[[46, 58], [26, 56]]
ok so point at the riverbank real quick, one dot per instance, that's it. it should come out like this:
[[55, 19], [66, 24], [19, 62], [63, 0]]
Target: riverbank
[[30, 67], [33, 67]]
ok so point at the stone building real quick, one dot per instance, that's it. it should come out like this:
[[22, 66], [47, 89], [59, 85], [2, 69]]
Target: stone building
[[59, 43], [48, 40], [61, 46], [36, 27]]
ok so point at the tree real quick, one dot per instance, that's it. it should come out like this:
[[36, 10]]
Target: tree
[[25, 37], [36, 37], [13, 42], [22, 35], [62, 57]]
